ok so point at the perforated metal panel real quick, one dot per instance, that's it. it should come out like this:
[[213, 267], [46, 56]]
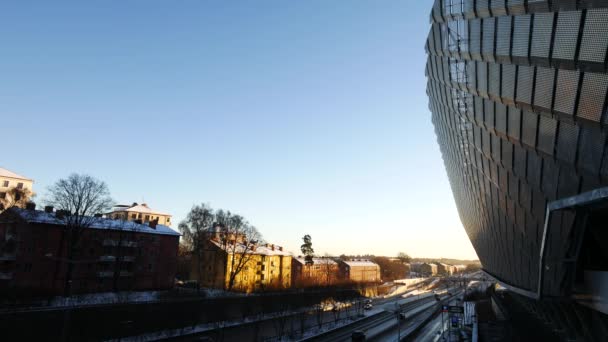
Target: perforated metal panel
[[482, 78], [529, 127], [494, 78], [508, 83], [593, 96], [504, 160], [566, 91], [475, 41], [521, 36], [503, 36], [595, 36], [525, 81], [566, 35], [487, 44], [543, 93], [534, 166], [501, 119], [541, 34], [483, 10], [498, 7], [567, 139], [488, 108], [546, 134], [514, 123], [591, 147]]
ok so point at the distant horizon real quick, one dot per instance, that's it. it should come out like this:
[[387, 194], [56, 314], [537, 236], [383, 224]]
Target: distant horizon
[[305, 118]]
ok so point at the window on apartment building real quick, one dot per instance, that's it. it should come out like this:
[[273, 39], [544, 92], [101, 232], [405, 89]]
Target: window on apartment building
[[147, 218], [262, 277], [139, 215], [5, 184], [134, 216], [27, 267], [2, 195], [17, 197], [19, 185]]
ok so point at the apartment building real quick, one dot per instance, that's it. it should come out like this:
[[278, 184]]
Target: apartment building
[[112, 254], [360, 271], [139, 212], [322, 272], [264, 266], [15, 189]]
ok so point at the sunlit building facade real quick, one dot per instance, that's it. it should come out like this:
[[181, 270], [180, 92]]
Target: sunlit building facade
[[517, 91]]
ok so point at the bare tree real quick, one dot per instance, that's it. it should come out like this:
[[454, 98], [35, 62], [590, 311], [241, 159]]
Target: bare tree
[[238, 239], [194, 231], [77, 198], [15, 197]]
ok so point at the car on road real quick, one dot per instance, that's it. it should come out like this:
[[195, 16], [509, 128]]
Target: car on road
[[368, 306]]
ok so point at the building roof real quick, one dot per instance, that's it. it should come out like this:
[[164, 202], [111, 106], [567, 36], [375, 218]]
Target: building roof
[[261, 249], [359, 263], [138, 208], [38, 216], [320, 261], [6, 173]]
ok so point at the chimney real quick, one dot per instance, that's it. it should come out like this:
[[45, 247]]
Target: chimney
[[272, 246], [30, 206], [153, 224], [48, 209], [281, 248], [134, 204]]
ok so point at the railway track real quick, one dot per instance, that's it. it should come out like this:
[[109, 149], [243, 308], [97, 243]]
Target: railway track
[[344, 333]]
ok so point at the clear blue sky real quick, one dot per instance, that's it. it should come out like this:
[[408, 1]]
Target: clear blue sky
[[306, 117]]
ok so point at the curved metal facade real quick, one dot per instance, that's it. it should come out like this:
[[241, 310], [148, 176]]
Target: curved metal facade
[[517, 92]]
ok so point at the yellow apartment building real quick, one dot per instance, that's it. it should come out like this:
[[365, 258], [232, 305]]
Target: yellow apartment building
[[268, 267]]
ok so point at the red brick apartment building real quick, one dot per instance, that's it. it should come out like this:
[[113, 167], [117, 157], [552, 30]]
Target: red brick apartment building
[[112, 254]]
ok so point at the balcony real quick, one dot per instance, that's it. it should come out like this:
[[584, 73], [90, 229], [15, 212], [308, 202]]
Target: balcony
[[6, 275], [105, 274], [107, 258]]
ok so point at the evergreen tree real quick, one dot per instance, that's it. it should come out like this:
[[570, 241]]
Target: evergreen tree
[[307, 249]]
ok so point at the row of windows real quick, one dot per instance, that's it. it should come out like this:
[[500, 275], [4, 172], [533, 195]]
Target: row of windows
[[6, 184], [542, 39]]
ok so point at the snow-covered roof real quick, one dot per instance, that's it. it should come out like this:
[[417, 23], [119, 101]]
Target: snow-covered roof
[[261, 249], [6, 173], [359, 263], [37, 216], [319, 261], [139, 208]]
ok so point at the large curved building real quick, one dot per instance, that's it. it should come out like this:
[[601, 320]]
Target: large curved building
[[517, 92]]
